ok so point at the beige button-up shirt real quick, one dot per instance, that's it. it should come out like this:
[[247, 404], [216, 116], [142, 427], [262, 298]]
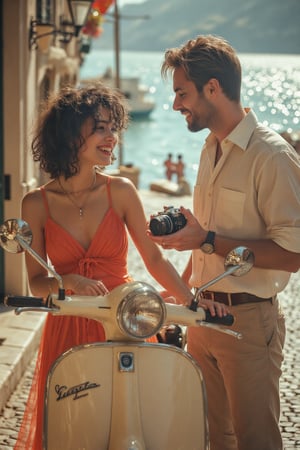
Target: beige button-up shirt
[[252, 193]]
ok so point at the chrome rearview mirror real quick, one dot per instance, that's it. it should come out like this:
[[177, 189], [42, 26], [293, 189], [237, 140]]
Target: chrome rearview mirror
[[15, 237], [9, 233], [239, 261]]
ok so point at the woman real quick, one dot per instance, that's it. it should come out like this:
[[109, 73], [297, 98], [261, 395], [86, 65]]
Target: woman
[[79, 220]]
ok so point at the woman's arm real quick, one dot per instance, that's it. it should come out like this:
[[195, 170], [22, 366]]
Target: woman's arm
[[186, 274], [128, 204], [39, 282]]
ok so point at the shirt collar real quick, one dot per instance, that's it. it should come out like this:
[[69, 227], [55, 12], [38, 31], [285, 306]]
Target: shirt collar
[[242, 133]]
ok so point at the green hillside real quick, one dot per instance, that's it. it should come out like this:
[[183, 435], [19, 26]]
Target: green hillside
[[251, 26]]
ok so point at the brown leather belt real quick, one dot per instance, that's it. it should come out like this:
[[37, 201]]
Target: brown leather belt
[[238, 298]]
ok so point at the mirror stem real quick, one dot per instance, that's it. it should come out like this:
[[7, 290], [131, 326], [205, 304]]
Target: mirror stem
[[229, 271], [25, 246]]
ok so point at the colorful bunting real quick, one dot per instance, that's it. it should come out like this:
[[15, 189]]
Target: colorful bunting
[[102, 5]]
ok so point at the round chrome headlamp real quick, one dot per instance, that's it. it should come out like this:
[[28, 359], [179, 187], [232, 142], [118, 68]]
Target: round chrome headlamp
[[142, 312]]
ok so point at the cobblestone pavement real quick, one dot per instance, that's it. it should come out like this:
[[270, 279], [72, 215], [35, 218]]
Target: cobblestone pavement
[[290, 381]]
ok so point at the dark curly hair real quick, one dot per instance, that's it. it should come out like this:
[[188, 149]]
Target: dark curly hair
[[207, 57], [58, 137]]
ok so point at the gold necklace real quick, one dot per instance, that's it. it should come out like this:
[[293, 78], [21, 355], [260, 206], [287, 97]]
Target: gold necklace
[[70, 193]]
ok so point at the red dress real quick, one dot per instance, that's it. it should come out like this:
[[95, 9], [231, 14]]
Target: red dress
[[105, 259]]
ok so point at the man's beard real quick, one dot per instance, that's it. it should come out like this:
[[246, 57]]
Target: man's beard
[[195, 125], [200, 121]]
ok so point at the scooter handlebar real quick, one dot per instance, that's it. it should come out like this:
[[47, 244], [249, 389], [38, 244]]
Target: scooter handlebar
[[20, 301], [184, 316], [225, 320], [97, 308]]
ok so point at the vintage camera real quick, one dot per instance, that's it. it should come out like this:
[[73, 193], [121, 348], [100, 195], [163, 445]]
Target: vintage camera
[[172, 335], [166, 222]]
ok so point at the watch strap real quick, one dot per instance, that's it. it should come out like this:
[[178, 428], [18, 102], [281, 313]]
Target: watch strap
[[210, 238]]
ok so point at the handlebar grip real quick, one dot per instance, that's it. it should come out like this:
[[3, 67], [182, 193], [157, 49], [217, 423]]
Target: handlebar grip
[[225, 320], [19, 301]]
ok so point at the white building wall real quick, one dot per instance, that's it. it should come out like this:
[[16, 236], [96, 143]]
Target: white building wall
[[23, 75]]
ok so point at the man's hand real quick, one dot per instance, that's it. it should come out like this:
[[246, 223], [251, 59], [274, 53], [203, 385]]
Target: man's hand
[[188, 238]]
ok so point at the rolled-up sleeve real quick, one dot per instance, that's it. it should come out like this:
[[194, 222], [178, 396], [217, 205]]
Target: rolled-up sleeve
[[279, 199]]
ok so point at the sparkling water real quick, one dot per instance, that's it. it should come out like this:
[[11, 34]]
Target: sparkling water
[[271, 86]]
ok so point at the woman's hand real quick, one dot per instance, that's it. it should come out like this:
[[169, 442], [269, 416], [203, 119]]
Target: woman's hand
[[85, 286], [168, 298]]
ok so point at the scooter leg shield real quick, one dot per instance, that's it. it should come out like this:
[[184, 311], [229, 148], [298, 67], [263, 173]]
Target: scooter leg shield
[[110, 396]]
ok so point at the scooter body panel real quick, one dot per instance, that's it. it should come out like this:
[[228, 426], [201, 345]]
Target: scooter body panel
[[115, 396]]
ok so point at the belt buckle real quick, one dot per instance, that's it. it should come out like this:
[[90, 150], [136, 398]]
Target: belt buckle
[[229, 299], [204, 294]]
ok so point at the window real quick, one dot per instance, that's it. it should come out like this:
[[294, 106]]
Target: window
[[44, 11]]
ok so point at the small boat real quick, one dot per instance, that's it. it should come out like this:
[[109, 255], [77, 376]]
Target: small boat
[[139, 105], [171, 188]]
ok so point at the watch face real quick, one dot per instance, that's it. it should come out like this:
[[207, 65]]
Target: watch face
[[207, 248]]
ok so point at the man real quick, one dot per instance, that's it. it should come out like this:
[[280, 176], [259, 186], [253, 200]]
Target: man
[[247, 193]]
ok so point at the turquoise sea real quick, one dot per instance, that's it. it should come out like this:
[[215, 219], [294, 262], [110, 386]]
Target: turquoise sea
[[271, 86]]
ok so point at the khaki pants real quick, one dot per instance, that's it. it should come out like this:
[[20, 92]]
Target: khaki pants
[[242, 378]]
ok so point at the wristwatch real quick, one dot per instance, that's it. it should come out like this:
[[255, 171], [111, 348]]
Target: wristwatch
[[208, 246]]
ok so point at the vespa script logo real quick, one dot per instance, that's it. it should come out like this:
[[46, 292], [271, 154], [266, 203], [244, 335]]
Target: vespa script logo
[[77, 391]]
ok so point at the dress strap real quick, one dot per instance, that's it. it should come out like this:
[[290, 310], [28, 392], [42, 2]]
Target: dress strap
[[109, 191], [45, 201]]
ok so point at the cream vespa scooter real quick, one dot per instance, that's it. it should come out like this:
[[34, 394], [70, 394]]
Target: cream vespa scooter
[[125, 393]]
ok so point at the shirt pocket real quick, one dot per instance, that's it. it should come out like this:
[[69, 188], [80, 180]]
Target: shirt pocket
[[229, 212]]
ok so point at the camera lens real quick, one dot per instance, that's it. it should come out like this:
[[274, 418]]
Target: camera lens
[[161, 225]]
